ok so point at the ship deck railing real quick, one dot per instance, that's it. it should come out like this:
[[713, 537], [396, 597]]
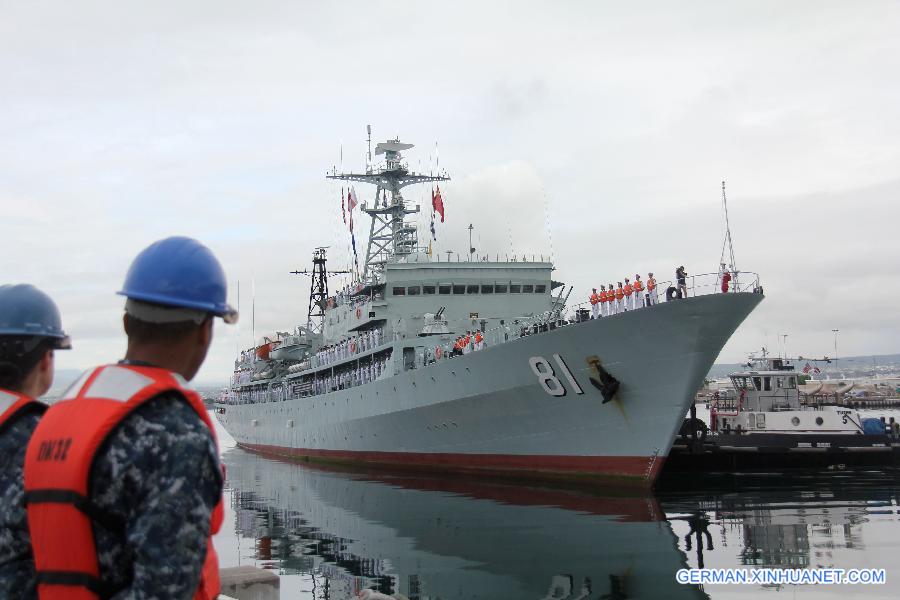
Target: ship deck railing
[[696, 285], [704, 284]]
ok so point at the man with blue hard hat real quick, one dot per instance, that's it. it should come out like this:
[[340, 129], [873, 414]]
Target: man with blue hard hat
[[122, 476], [30, 331]]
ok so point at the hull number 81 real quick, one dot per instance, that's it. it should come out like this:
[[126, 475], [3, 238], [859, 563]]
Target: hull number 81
[[547, 376]]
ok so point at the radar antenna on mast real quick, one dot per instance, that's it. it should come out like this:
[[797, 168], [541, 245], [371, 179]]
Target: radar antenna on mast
[[390, 235]]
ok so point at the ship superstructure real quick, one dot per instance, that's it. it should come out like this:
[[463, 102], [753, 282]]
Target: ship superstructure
[[474, 365]]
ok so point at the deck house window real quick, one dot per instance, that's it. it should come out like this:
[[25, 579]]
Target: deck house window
[[767, 384], [444, 289], [527, 289], [515, 288], [757, 383], [399, 291], [540, 289], [459, 289], [413, 290], [487, 289], [428, 290], [471, 289], [500, 288]]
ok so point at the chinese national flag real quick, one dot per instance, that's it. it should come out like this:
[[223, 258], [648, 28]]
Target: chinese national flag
[[437, 203]]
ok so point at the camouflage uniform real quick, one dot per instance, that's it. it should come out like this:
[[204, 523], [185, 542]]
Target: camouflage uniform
[[159, 474], [16, 561]]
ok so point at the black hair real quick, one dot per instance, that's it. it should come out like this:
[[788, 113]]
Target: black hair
[[145, 332], [19, 355]]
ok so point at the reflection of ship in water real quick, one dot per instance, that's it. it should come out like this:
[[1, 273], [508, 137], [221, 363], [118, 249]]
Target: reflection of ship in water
[[805, 522], [426, 538]]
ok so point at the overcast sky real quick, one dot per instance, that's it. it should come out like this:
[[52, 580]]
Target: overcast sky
[[595, 132]]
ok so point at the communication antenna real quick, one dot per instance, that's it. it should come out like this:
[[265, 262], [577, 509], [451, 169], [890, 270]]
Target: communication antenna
[[253, 309], [369, 155], [727, 241]]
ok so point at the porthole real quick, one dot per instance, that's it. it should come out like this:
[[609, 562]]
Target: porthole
[[795, 421], [819, 420]]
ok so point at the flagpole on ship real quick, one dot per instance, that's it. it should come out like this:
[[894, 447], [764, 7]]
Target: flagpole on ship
[[728, 239]]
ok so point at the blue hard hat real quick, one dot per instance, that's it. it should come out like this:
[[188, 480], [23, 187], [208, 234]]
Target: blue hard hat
[[179, 272], [27, 311]]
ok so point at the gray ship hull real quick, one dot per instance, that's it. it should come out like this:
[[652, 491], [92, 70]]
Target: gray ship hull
[[490, 412]]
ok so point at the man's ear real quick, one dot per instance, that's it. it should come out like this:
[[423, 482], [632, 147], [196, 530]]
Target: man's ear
[[125, 323], [46, 363], [205, 332]]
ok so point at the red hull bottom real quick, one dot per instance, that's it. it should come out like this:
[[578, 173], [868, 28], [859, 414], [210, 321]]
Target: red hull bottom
[[639, 471]]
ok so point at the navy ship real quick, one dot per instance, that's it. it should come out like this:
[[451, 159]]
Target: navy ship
[[475, 365]]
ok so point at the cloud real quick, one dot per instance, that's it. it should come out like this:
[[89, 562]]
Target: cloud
[[598, 134]]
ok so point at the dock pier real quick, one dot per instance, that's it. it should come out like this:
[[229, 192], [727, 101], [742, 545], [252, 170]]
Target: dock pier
[[249, 583]]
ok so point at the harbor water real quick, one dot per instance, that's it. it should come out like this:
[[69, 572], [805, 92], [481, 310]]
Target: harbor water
[[331, 533]]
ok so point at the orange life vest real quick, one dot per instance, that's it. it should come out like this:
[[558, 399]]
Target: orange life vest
[[638, 286], [603, 296], [595, 298], [14, 404], [651, 284], [628, 289], [479, 338], [57, 474]]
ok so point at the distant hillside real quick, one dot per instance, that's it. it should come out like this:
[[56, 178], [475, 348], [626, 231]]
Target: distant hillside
[[63, 378], [882, 365]]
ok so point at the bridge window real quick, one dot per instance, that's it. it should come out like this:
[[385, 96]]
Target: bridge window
[[444, 289], [757, 383], [428, 290], [792, 382], [413, 290], [500, 288], [399, 291], [767, 384], [540, 289], [471, 289], [487, 289], [459, 289], [515, 288], [527, 289]]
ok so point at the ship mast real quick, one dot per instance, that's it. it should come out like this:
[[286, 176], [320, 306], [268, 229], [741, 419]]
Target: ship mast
[[390, 235], [318, 290]]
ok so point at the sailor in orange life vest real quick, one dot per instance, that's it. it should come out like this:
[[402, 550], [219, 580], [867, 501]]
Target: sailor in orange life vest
[[620, 298], [123, 484], [638, 291], [595, 304], [611, 300], [30, 331], [651, 290], [629, 298], [604, 308]]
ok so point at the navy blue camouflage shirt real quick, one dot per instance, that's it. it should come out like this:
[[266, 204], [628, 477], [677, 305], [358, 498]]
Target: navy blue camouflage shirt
[[158, 473], [16, 561]]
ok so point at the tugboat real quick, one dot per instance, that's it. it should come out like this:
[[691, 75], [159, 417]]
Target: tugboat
[[472, 365], [762, 422]]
